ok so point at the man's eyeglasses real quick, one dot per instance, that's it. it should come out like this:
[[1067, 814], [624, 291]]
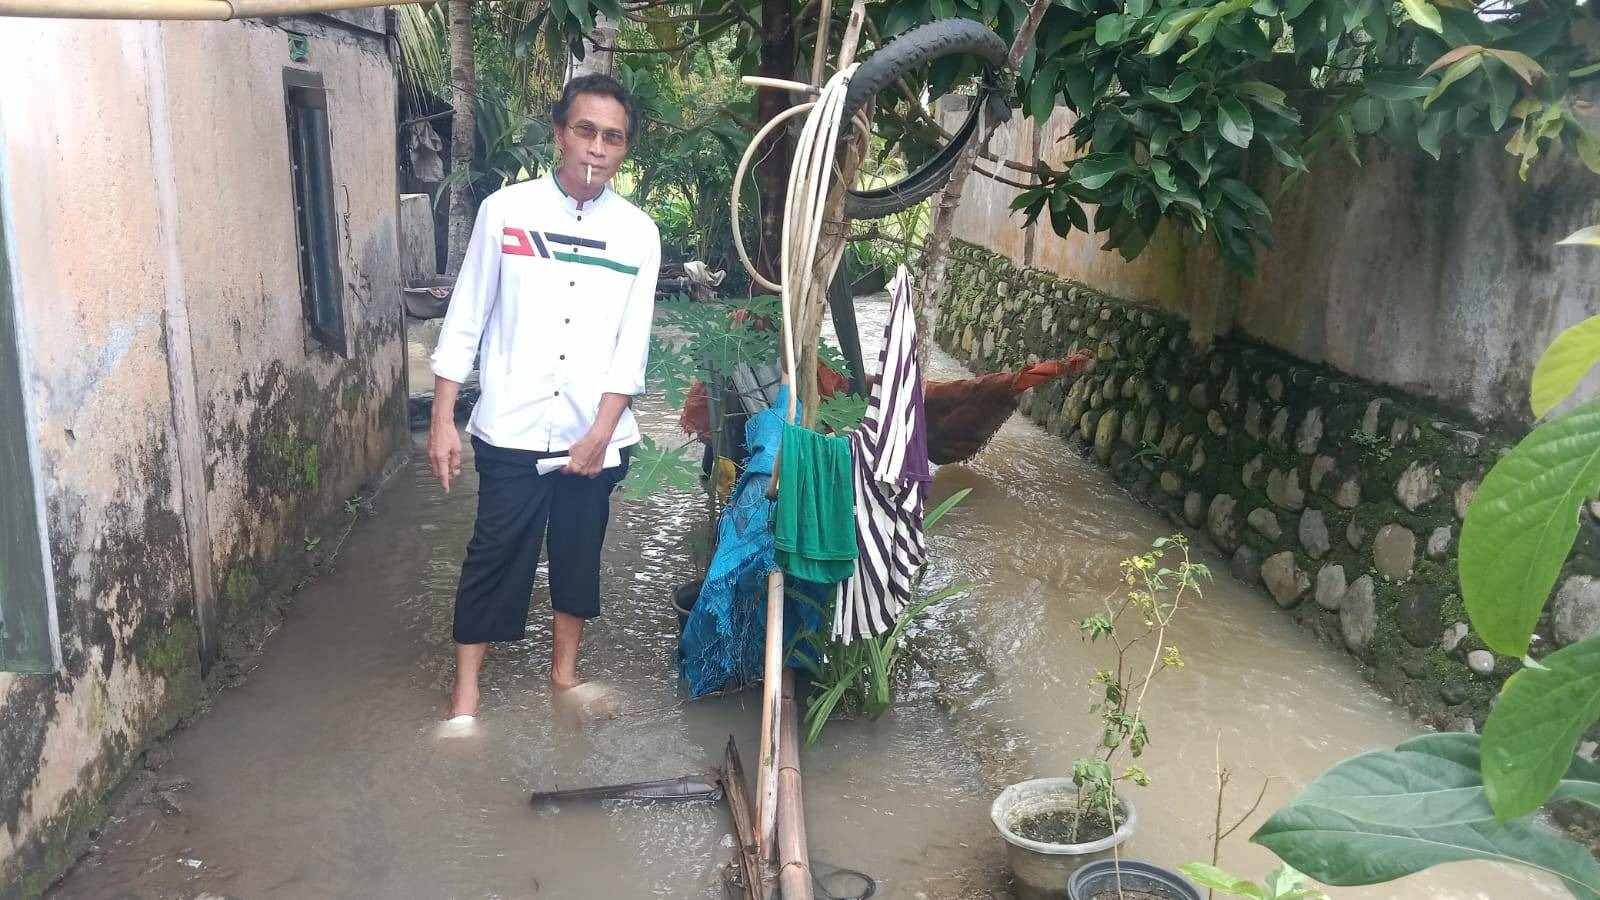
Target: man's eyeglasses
[[611, 136]]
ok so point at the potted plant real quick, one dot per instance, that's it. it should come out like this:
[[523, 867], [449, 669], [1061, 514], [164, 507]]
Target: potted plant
[[1054, 826]]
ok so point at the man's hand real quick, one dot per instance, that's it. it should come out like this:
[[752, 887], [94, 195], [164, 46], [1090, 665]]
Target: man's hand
[[444, 442], [588, 456], [444, 452]]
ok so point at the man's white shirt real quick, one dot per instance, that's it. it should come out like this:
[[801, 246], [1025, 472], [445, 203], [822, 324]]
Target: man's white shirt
[[555, 304]]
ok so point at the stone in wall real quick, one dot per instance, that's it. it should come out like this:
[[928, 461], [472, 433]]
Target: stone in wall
[[1130, 429], [1330, 586], [1481, 662], [1200, 396], [1252, 419], [1394, 552], [1358, 614], [1418, 485], [1170, 439], [1283, 578], [1197, 462], [1321, 468], [1251, 470], [1314, 534], [1246, 566], [1419, 617], [1277, 434], [1230, 390], [1283, 488], [1106, 432], [1194, 509], [1275, 388], [1439, 542], [1463, 498], [1151, 433], [1171, 484], [1348, 494], [1369, 419], [1309, 435], [1220, 522], [1355, 535], [1265, 522], [1216, 424], [1575, 614]]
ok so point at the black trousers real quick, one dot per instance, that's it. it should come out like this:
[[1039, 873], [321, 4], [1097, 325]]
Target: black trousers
[[516, 506]]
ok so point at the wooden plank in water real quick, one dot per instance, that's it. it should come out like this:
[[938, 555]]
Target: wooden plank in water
[[737, 793]]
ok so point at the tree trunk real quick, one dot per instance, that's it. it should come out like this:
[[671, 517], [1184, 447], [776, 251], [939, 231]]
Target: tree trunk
[[772, 172], [595, 60], [463, 127], [936, 251]]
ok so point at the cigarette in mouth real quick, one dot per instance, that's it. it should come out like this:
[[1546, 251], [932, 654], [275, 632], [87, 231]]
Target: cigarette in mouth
[[588, 174]]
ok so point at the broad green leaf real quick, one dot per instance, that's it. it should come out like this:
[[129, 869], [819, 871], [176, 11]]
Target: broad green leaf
[[1390, 813], [1430, 134], [1534, 728], [1583, 236], [1457, 71], [1423, 14], [1367, 115], [1169, 33], [1453, 57], [1042, 93], [1241, 194], [1589, 149], [1233, 120], [1581, 781], [1161, 170], [1521, 525], [1564, 363], [1209, 876], [1193, 152], [1396, 86], [1178, 91], [1112, 28], [1096, 170], [1502, 93], [1521, 63], [1188, 118], [1263, 91]]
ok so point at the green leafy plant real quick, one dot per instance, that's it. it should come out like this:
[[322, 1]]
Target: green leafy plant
[[655, 467], [1134, 624], [1379, 815]]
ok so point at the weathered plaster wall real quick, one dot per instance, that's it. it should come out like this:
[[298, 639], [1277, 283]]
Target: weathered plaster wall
[[288, 428], [1341, 498], [1440, 278]]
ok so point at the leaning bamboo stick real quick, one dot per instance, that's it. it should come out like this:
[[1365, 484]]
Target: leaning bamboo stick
[[771, 689], [181, 10], [794, 862]]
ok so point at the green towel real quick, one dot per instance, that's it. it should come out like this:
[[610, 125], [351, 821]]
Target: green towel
[[814, 521]]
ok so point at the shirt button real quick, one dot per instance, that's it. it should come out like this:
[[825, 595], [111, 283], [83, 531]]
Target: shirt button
[[558, 393], [566, 321], [563, 356], [572, 284]]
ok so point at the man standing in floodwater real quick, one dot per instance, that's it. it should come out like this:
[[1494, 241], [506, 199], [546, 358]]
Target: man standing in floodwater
[[554, 301]]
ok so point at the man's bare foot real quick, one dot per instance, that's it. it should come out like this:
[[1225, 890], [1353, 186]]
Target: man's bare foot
[[588, 701], [463, 699]]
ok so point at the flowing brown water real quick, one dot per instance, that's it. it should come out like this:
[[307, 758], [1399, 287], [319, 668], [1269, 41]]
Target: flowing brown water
[[327, 774]]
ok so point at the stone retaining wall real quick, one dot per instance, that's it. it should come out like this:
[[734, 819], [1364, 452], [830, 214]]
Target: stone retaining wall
[[1342, 500]]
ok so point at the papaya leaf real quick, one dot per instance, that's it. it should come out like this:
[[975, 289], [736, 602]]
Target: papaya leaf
[[1564, 363], [1521, 525]]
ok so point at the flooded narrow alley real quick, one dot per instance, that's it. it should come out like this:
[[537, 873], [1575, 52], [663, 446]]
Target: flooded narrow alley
[[326, 773]]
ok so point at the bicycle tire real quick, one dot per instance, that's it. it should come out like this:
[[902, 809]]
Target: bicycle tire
[[901, 56]]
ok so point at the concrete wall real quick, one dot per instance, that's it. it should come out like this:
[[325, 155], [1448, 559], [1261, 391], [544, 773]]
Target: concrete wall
[[146, 184], [1440, 278]]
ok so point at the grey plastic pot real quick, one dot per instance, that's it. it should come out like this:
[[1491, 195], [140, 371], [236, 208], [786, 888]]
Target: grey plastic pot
[[1102, 876], [1043, 869]]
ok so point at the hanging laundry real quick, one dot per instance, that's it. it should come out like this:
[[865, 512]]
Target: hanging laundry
[[891, 475], [724, 637], [813, 525]]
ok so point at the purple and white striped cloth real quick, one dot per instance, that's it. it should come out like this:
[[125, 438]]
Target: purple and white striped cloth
[[889, 455]]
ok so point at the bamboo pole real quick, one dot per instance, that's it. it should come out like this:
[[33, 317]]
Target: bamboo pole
[[794, 862], [771, 689], [181, 10]]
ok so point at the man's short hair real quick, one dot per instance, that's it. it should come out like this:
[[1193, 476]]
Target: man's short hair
[[603, 85]]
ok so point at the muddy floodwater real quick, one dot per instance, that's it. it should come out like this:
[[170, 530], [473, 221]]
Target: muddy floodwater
[[328, 774]]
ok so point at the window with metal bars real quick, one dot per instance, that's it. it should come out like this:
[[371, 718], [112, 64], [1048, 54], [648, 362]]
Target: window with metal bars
[[310, 156]]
